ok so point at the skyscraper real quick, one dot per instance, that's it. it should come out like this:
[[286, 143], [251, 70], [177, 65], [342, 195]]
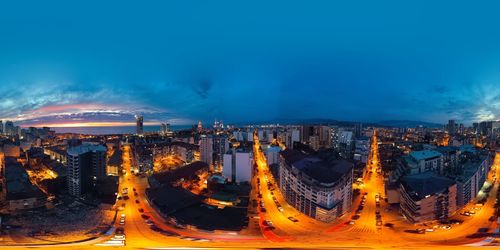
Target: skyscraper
[[9, 128], [206, 149], [163, 129], [200, 128], [1, 127], [451, 127], [221, 146], [85, 165], [140, 124]]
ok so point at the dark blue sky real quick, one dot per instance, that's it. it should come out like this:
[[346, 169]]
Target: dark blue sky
[[183, 61]]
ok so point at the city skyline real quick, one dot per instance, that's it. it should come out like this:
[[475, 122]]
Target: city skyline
[[239, 63]]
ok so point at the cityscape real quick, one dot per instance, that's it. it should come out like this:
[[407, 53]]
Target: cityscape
[[344, 184], [263, 125]]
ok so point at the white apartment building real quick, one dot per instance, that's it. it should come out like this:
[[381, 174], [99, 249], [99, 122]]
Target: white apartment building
[[318, 189]]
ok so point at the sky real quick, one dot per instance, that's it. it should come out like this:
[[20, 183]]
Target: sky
[[89, 63]]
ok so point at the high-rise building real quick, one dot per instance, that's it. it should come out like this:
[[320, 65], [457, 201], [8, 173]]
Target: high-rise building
[[200, 127], [163, 129], [427, 197], [9, 128], [451, 127], [220, 147], [85, 165], [139, 119], [238, 165], [358, 130], [305, 132], [319, 189], [206, 149], [1, 127]]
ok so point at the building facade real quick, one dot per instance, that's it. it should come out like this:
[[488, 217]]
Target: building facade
[[85, 165], [427, 197], [318, 189]]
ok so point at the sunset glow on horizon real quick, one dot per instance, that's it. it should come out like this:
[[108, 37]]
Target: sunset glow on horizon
[[88, 124]]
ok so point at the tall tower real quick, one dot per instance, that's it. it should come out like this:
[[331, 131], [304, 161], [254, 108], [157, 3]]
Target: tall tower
[[85, 165], [139, 119], [200, 128], [206, 149]]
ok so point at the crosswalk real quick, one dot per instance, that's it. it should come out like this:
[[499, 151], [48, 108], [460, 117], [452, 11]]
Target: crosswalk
[[364, 229]]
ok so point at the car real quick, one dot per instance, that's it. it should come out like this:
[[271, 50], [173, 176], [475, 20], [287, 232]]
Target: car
[[155, 228], [263, 210], [280, 208], [355, 217], [429, 229], [293, 219], [447, 227], [351, 222], [119, 237], [144, 216], [379, 223], [137, 201], [140, 210], [119, 230], [465, 214], [267, 223], [133, 189]]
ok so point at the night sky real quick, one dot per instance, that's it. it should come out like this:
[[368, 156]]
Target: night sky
[[102, 62]]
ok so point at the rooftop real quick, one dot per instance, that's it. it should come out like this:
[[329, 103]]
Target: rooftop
[[84, 148], [18, 184], [424, 154], [320, 170], [422, 185]]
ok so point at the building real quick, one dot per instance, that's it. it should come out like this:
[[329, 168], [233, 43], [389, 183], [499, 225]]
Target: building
[[471, 178], [9, 128], [20, 193], [220, 147], [450, 156], [358, 130], [362, 149], [85, 165], [345, 144], [56, 153], [11, 150], [200, 127], [139, 119], [272, 155], [163, 129], [237, 165], [424, 161], [1, 127], [321, 190], [451, 127], [427, 197], [314, 142], [206, 149]]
